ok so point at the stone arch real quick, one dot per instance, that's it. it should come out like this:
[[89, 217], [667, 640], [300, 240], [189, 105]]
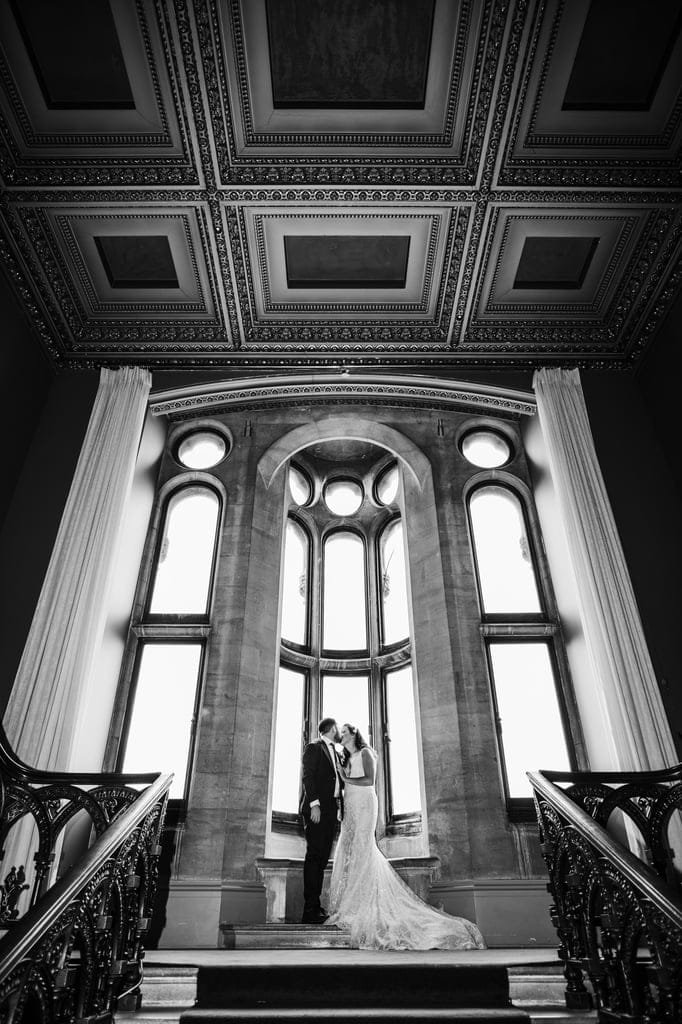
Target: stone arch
[[347, 427]]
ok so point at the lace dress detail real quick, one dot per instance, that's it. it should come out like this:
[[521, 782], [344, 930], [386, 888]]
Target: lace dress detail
[[369, 898]]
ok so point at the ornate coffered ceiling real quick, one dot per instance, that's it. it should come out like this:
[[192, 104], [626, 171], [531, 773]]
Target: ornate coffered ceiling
[[287, 183]]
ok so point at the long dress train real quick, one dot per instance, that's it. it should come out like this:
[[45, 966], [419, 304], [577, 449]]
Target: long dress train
[[369, 898]]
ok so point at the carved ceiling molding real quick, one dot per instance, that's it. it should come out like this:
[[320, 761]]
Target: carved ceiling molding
[[375, 168], [592, 159], [294, 390], [126, 158], [512, 46]]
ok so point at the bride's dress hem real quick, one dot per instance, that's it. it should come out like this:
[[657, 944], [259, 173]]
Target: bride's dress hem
[[372, 902]]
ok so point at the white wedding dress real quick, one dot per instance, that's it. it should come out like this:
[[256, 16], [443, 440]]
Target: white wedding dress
[[370, 900]]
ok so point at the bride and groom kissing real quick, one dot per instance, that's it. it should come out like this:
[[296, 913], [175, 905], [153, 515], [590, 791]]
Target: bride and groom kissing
[[367, 897]]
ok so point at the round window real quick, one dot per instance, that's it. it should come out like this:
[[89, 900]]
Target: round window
[[202, 450], [486, 449], [343, 497]]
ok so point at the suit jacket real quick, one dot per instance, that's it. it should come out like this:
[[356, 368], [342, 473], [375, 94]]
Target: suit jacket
[[319, 778]]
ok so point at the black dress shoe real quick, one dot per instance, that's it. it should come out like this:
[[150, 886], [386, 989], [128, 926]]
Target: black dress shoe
[[314, 917]]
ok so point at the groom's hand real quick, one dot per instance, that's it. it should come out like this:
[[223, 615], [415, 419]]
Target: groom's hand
[[315, 814]]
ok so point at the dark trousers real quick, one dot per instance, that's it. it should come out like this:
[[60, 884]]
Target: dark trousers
[[318, 846]]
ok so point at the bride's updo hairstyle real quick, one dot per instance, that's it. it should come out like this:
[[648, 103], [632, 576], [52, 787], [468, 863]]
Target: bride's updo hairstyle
[[360, 740]]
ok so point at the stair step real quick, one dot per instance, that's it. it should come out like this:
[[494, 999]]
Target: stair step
[[285, 936], [358, 986], [169, 987], [334, 1015]]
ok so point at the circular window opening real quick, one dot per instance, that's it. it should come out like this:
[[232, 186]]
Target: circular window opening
[[387, 485], [299, 486], [486, 449], [202, 450], [343, 497]]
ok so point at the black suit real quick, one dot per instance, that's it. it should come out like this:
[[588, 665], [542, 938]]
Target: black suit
[[318, 783]]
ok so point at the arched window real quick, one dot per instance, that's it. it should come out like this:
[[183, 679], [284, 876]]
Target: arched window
[[520, 640], [169, 637], [344, 575]]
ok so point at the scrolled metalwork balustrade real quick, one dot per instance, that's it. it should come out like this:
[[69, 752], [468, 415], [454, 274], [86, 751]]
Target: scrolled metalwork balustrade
[[76, 952], [618, 917]]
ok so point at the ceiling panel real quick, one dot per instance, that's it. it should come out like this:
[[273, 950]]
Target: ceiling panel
[[425, 183]]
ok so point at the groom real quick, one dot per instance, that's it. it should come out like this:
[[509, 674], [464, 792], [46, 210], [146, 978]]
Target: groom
[[321, 805]]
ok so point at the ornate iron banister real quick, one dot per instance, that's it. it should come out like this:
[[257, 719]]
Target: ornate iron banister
[[52, 800], [76, 954], [617, 918]]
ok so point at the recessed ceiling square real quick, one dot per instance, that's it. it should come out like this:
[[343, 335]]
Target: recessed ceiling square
[[350, 54], [137, 261], [624, 50], [75, 52], [554, 262], [346, 261]]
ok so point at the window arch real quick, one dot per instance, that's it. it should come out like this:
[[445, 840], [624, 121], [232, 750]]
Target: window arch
[[168, 634], [356, 663], [521, 635]]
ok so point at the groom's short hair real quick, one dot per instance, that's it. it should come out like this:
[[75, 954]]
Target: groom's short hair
[[325, 725]]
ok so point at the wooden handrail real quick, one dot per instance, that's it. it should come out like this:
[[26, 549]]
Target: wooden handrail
[[27, 931], [660, 775], [635, 870], [18, 769]]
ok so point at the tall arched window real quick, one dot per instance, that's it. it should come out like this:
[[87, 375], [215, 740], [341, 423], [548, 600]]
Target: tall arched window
[[345, 647], [521, 636], [169, 636]]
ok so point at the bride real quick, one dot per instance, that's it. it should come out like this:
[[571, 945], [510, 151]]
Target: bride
[[368, 898]]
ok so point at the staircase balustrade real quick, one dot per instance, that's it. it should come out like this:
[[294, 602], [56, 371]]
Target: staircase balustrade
[[74, 952], [618, 915]]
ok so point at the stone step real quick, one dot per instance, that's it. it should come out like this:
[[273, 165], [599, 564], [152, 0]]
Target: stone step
[[415, 984], [376, 1015], [284, 936], [169, 991], [169, 986], [542, 985]]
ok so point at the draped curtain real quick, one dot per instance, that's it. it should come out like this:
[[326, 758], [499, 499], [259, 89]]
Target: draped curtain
[[626, 695], [55, 669]]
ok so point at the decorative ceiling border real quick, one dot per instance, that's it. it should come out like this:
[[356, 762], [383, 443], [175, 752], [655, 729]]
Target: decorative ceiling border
[[571, 169], [381, 336], [334, 386], [370, 169], [42, 169]]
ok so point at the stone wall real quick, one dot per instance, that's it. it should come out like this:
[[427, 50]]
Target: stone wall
[[485, 866]]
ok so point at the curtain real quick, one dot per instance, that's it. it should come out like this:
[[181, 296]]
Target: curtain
[[55, 669], [626, 691]]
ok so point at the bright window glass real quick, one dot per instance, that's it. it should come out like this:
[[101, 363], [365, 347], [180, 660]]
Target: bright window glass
[[160, 727], [486, 449], [402, 750], [505, 565], [287, 753], [343, 497], [387, 485], [299, 486], [202, 450], [346, 698], [344, 625], [393, 584], [183, 572], [532, 731], [295, 584]]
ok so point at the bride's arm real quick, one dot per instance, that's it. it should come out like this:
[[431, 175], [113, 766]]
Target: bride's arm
[[369, 768]]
